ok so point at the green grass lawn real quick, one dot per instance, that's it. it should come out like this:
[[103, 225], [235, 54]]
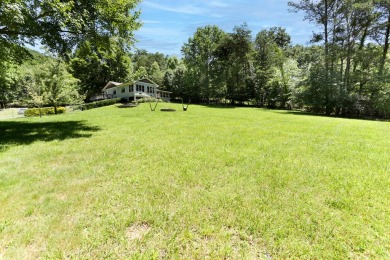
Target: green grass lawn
[[239, 183]]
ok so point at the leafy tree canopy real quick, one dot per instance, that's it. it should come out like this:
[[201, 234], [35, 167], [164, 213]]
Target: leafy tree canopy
[[200, 59], [48, 83], [94, 65], [61, 25]]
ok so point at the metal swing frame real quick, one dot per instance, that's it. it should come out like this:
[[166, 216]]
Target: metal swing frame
[[185, 107], [150, 105]]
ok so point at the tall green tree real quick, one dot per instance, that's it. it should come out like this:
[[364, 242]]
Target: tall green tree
[[382, 30], [172, 62], [11, 56], [156, 74], [50, 84], [271, 48], [351, 61], [8, 78], [321, 13], [182, 83], [235, 59], [169, 76], [199, 58], [60, 87], [13, 71], [94, 65], [142, 58]]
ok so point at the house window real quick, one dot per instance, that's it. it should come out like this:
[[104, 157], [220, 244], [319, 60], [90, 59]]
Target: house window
[[130, 89], [140, 88], [114, 92], [123, 90]]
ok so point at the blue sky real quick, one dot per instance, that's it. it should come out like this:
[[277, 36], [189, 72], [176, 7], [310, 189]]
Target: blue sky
[[167, 24]]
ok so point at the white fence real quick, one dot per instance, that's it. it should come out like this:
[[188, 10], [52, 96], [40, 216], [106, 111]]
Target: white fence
[[9, 113]]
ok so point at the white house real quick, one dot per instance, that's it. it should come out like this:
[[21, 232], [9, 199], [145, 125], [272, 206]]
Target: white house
[[143, 88]]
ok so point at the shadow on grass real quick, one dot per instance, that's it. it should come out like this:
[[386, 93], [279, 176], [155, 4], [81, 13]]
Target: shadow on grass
[[23, 133], [222, 106], [303, 113]]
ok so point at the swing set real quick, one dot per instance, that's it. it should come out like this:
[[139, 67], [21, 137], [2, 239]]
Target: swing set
[[155, 105], [185, 107], [153, 108]]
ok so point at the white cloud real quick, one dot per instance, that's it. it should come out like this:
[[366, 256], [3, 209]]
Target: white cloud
[[183, 9], [152, 45], [151, 22], [157, 31], [216, 15], [216, 3]]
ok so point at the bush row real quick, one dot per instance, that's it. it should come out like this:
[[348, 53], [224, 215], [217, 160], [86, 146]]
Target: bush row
[[146, 100], [43, 111], [101, 103]]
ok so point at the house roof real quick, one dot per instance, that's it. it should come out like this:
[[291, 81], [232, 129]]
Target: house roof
[[112, 84], [146, 80]]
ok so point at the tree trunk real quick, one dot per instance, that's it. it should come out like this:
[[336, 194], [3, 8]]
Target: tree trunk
[[349, 45], [385, 46], [325, 21], [362, 41]]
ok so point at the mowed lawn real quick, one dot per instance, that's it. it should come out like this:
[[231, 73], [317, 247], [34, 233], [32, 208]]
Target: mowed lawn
[[238, 183]]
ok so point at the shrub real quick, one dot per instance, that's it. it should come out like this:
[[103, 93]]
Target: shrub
[[146, 100], [123, 101], [43, 111], [101, 103], [61, 110]]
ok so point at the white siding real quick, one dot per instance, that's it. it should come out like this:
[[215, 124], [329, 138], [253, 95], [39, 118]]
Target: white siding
[[148, 89]]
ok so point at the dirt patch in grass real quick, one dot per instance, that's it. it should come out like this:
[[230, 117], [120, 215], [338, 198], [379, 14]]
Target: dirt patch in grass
[[137, 231]]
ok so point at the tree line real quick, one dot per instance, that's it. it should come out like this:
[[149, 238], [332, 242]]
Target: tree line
[[344, 71]]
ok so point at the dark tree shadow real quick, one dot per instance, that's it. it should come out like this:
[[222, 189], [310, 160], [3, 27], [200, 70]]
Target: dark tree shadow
[[303, 113], [23, 133], [222, 106]]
